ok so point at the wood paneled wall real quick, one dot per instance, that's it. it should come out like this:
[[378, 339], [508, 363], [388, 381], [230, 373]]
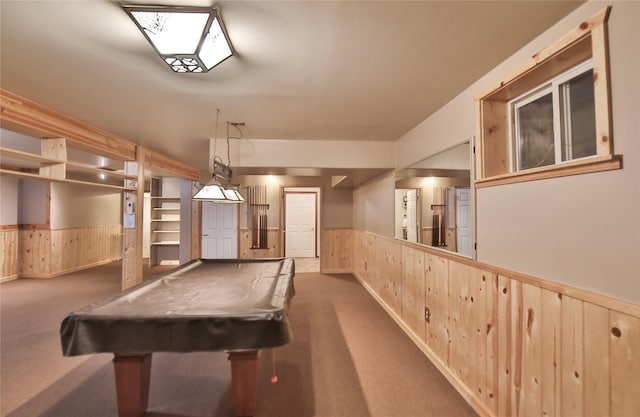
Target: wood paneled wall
[[9, 253], [273, 241], [335, 248], [45, 253], [335, 251], [511, 344], [34, 252]]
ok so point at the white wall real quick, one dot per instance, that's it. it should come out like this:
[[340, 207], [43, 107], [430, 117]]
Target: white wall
[[33, 202], [8, 200], [78, 206], [308, 153], [336, 208], [373, 206], [25, 201], [582, 230]]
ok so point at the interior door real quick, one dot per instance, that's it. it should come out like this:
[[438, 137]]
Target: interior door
[[146, 226], [300, 224], [463, 220], [219, 230]]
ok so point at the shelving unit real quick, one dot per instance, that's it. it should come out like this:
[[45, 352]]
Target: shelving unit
[[165, 222], [53, 160]]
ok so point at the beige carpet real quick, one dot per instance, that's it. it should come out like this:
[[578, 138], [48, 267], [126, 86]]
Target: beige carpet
[[348, 358]]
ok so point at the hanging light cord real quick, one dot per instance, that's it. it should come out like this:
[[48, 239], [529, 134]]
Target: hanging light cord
[[228, 152], [229, 137], [215, 142]]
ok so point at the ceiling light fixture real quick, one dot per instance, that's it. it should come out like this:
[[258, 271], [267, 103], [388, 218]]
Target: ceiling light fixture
[[189, 39], [219, 187]]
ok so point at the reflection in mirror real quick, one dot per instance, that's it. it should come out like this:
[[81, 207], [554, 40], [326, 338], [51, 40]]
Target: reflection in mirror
[[433, 201]]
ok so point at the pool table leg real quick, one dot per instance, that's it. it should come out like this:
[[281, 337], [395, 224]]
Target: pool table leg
[[133, 372], [243, 381]]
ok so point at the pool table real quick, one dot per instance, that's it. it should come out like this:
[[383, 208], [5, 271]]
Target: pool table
[[235, 305]]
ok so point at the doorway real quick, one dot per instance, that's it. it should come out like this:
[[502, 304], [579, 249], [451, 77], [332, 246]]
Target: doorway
[[463, 220], [219, 230], [412, 216], [301, 206]]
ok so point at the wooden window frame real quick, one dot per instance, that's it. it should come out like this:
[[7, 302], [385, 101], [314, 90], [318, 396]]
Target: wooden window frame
[[493, 147]]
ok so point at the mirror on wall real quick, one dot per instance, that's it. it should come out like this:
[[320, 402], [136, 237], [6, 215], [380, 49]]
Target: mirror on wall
[[433, 201]]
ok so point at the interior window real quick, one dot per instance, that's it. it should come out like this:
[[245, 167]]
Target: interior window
[[534, 131], [555, 122], [578, 126], [552, 116]]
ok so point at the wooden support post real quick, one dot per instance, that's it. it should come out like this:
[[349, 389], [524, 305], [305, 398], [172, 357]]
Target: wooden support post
[[243, 381], [132, 272], [54, 148], [196, 229], [133, 374]]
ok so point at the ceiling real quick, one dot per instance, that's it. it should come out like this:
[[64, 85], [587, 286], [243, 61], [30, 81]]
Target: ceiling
[[304, 70]]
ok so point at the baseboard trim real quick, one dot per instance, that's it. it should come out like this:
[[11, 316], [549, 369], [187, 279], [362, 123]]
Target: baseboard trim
[[9, 278], [336, 271], [70, 270]]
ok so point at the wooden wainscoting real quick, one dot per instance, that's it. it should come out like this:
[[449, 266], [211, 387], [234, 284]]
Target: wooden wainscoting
[[273, 242], [336, 248], [511, 344], [9, 252], [426, 237], [34, 251], [336, 251], [46, 253]]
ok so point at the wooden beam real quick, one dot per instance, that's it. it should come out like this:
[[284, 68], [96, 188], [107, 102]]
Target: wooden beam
[[54, 148], [572, 38], [169, 167], [48, 122]]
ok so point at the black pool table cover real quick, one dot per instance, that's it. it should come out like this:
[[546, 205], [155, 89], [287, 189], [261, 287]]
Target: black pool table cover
[[204, 305]]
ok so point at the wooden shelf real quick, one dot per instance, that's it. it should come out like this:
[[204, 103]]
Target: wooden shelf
[[165, 198], [73, 166], [165, 221], [166, 243], [56, 179], [27, 156], [24, 164]]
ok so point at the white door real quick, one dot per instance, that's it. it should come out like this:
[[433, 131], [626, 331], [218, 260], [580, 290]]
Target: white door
[[463, 220], [146, 226], [300, 224], [412, 216], [219, 230]]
